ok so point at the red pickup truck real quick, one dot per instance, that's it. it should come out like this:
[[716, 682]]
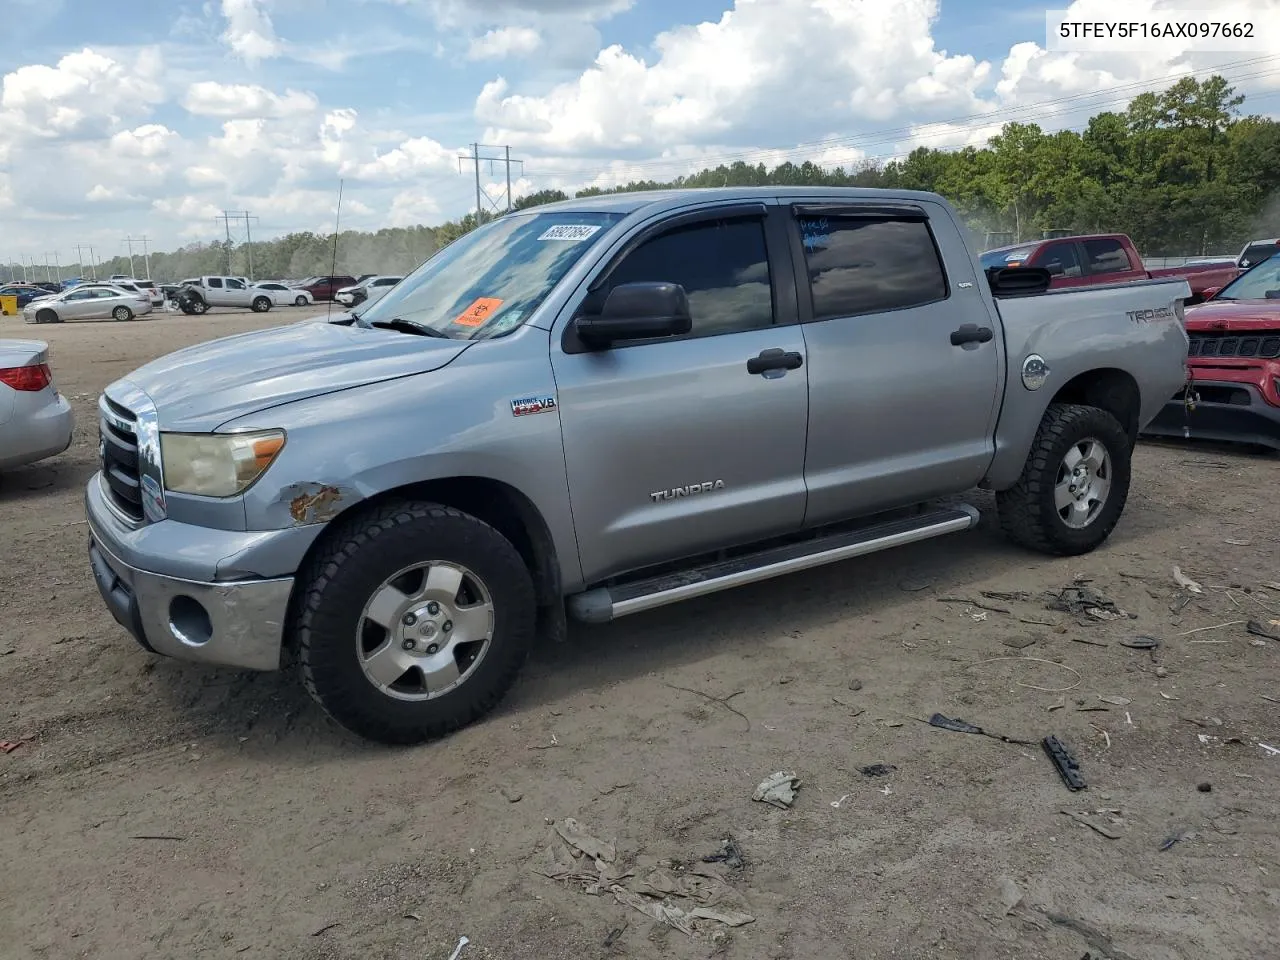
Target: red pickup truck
[[1104, 258]]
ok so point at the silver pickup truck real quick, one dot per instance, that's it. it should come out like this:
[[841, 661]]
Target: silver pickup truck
[[600, 407]]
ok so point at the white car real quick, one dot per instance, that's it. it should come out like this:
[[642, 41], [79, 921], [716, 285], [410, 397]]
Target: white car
[[35, 420], [143, 287], [369, 290], [89, 301], [284, 296]]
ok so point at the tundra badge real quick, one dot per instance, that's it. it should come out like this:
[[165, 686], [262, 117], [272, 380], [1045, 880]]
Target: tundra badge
[[688, 491]]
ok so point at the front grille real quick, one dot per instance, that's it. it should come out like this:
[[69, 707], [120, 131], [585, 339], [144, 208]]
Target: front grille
[[1264, 346], [121, 466]]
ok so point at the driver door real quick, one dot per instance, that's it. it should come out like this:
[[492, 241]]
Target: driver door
[[237, 294], [680, 445]]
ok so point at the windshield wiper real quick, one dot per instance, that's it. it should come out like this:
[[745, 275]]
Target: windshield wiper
[[408, 326]]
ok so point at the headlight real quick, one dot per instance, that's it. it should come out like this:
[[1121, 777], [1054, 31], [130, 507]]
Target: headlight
[[217, 464]]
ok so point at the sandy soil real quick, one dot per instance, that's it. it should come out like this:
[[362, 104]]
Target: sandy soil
[[283, 837]]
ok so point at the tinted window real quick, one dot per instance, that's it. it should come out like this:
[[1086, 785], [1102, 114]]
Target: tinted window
[[1061, 260], [215, 282], [1258, 252], [869, 266], [1106, 256], [723, 266], [234, 285]]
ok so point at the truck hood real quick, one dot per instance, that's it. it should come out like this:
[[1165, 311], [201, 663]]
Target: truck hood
[[198, 389], [1239, 316]]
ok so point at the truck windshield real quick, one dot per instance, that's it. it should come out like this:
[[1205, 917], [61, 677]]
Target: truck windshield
[[486, 283], [1257, 283], [1004, 258]]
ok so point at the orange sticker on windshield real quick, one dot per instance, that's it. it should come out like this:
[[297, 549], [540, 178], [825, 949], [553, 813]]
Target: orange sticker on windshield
[[479, 311]]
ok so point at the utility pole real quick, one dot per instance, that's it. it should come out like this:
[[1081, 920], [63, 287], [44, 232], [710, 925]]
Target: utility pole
[[226, 217], [146, 257], [226, 220], [93, 261], [48, 277], [57, 266], [475, 158], [129, 241]]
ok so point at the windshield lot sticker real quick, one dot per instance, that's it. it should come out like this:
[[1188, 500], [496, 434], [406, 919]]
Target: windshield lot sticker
[[526, 406], [570, 231], [480, 310]]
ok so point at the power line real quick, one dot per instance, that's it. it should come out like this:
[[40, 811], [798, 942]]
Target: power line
[[93, 260], [475, 158], [146, 256], [237, 215]]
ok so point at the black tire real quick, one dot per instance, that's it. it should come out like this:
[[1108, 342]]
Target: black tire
[[198, 307], [261, 304], [47, 316], [122, 313], [344, 574], [300, 301], [1028, 514]]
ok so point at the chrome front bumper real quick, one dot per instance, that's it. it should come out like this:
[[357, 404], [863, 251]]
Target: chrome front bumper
[[237, 623]]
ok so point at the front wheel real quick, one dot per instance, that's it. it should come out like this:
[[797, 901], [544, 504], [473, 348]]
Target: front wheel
[[413, 621], [197, 307], [300, 301], [47, 316], [261, 305], [1074, 485]]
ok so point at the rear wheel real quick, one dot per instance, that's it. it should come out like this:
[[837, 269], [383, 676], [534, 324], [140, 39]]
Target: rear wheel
[[261, 304], [300, 301], [1074, 485], [47, 316], [413, 622], [122, 313]]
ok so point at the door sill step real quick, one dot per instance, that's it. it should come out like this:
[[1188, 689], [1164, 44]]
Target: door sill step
[[603, 604]]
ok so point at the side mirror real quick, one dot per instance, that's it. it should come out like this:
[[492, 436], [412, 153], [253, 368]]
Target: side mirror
[[1208, 292], [638, 311]]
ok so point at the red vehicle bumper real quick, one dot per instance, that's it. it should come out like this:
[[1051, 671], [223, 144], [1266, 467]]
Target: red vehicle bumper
[[1235, 400]]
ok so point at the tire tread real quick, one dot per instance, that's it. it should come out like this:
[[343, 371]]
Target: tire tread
[[345, 547], [1021, 506]]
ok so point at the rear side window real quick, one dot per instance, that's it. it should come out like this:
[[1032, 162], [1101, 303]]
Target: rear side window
[[860, 266], [1061, 260], [1106, 256], [215, 282], [1258, 252]]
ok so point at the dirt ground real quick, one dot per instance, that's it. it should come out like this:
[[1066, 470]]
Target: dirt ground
[[159, 809]]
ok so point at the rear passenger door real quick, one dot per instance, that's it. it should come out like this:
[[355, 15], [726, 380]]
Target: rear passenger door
[[676, 446], [904, 357]]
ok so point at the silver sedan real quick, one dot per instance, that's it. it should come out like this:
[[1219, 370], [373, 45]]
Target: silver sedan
[[89, 301], [35, 420]]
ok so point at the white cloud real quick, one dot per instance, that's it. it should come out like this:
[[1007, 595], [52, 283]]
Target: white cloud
[[103, 194], [106, 140], [505, 42], [249, 31], [85, 94], [766, 65], [212, 99]]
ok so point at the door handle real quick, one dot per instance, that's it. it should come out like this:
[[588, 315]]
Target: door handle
[[775, 359], [970, 333]]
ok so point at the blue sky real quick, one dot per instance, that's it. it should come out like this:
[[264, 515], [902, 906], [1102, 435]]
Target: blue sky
[[133, 118]]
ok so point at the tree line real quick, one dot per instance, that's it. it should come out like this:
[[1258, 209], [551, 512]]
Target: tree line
[[1184, 172]]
